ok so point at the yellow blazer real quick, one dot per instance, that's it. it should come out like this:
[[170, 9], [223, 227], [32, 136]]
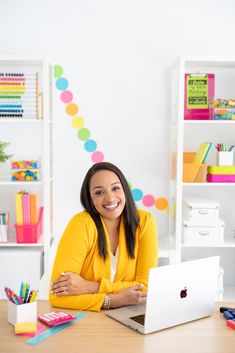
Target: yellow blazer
[[78, 252]]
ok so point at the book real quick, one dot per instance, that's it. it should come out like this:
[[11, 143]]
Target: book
[[202, 153], [26, 208], [34, 208], [19, 208]]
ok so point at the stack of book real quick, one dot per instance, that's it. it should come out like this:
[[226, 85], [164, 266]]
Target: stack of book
[[221, 174], [27, 208]]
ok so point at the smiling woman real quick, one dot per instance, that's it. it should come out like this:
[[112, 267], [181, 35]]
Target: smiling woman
[[106, 251]]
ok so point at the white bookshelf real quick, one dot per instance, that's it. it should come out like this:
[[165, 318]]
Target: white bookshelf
[[187, 136], [30, 138]]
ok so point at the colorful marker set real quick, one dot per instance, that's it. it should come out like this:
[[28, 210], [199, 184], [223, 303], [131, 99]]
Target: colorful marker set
[[222, 147], [229, 315], [25, 296]]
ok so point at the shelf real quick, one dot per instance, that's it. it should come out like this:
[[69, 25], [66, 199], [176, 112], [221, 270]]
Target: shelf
[[209, 184], [210, 122], [20, 183], [12, 243], [33, 120]]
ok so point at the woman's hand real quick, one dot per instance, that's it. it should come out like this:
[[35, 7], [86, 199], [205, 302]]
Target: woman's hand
[[73, 284], [128, 296]]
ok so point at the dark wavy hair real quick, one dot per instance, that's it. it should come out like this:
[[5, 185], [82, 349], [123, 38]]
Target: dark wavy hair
[[131, 219]]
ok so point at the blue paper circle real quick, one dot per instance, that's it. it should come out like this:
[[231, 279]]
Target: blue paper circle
[[90, 145], [62, 83]]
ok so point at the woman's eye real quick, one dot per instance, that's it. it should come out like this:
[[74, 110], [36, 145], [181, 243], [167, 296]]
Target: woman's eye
[[98, 193], [116, 188]]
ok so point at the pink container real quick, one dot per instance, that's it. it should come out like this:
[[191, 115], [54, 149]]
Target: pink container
[[200, 114], [29, 233]]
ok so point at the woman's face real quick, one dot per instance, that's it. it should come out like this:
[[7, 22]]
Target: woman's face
[[107, 194]]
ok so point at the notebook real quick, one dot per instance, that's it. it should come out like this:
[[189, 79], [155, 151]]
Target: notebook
[[176, 294]]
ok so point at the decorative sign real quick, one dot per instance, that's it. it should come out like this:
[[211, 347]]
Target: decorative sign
[[197, 92]]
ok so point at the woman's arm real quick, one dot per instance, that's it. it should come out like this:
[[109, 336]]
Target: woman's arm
[[75, 244]]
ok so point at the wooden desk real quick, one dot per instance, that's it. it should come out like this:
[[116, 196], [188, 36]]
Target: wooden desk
[[99, 334]]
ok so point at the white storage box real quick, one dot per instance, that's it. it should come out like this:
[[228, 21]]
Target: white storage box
[[195, 233], [200, 209]]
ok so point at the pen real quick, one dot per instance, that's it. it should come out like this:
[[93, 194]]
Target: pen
[[21, 289]]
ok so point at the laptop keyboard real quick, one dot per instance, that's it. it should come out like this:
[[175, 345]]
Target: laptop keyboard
[[139, 319]]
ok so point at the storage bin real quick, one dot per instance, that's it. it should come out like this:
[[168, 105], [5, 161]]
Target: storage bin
[[200, 209], [25, 175], [193, 172], [29, 233], [197, 234]]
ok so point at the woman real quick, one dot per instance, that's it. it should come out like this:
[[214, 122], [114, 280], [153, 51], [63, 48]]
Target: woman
[[106, 251]]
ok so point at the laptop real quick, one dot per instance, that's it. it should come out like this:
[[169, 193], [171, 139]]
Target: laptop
[[176, 294]]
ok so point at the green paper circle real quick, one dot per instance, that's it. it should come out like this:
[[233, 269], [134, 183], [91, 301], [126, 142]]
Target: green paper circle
[[83, 134], [58, 71]]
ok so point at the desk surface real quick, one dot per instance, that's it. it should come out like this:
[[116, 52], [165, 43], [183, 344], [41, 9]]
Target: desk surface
[[100, 334]]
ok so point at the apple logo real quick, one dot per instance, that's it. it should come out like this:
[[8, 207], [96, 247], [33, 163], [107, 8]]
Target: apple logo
[[183, 293]]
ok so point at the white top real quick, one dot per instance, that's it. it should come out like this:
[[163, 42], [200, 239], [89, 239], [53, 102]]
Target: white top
[[114, 261]]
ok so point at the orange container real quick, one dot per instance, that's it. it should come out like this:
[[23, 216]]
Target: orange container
[[193, 172], [29, 233]]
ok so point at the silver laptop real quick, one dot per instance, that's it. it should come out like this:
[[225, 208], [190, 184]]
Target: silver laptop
[[176, 294]]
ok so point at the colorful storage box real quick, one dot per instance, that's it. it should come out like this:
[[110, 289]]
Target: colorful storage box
[[25, 164], [25, 175], [193, 172], [29, 233]]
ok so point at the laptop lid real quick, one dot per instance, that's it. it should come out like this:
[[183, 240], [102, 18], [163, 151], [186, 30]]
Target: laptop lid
[[176, 294]]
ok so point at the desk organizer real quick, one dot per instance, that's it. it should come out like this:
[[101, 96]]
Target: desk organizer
[[193, 172], [29, 233], [22, 313], [225, 158]]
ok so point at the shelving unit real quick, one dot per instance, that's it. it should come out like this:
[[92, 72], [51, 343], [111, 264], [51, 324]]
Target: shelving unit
[[30, 138], [187, 135]]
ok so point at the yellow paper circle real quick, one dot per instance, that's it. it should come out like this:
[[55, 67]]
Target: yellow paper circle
[[78, 122]]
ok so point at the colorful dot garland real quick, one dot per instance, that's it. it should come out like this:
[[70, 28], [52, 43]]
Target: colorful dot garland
[[90, 145]]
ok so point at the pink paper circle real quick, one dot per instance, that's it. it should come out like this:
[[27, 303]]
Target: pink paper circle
[[66, 96], [148, 200], [97, 157]]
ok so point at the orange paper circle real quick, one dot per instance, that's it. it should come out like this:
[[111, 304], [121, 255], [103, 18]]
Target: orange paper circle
[[72, 109], [161, 203]]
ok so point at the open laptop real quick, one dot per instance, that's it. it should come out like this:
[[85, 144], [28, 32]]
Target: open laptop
[[176, 294]]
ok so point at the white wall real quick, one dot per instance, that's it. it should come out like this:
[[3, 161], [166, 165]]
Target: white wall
[[117, 57]]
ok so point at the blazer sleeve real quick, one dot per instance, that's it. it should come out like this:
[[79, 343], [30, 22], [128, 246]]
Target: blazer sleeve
[[147, 257], [72, 251]]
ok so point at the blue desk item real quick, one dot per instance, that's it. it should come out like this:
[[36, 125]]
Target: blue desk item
[[53, 330], [228, 315]]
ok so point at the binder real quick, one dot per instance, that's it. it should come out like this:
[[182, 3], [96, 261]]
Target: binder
[[34, 208], [26, 208], [19, 208], [202, 153]]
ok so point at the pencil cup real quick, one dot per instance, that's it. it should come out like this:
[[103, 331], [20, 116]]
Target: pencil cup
[[225, 158], [22, 313]]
